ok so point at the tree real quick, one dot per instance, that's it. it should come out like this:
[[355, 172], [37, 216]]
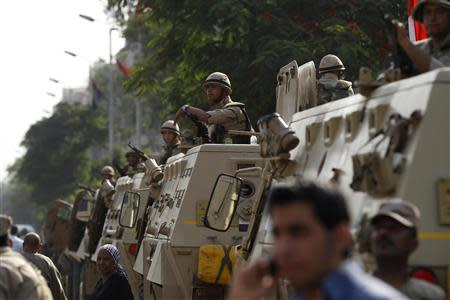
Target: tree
[[249, 40], [56, 155]]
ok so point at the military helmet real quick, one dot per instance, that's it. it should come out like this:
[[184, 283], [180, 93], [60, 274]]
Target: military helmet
[[418, 9], [330, 63], [171, 126], [108, 170], [218, 78]]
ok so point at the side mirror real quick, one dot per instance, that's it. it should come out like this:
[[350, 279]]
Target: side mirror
[[129, 209], [223, 202]]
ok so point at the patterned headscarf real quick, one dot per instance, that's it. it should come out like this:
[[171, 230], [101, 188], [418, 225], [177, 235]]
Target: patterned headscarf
[[115, 254]]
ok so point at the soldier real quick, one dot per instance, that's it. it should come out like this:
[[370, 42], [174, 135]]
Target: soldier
[[170, 133], [434, 52], [134, 164], [102, 203], [393, 240], [224, 114], [19, 279], [331, 86], [31, 246]]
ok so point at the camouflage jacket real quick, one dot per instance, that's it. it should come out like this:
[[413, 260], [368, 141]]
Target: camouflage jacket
[[331, 89], [131, 170], [440, 57], [228, 115], [169, 150]]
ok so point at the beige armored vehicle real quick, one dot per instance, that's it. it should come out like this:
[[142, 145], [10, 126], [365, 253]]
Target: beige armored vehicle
[[394, 143], [179, 258]]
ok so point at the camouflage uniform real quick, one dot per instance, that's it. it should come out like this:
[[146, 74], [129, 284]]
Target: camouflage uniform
[[131, 170], [440, 58], [228, 115], [331, 89], [169, 150]]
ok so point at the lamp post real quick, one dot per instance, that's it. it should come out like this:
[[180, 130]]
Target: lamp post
[[111, 91]]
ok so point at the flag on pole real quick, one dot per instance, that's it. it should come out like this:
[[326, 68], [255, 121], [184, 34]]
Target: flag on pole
[[416, 30], [126, 70]]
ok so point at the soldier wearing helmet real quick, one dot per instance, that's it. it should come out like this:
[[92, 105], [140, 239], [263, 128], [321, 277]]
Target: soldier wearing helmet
[[224, 114], [433, 52], [331, 86], [170, 133], [135, 165]]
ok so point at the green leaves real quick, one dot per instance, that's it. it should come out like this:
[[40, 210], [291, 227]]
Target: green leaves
[[56, 157]]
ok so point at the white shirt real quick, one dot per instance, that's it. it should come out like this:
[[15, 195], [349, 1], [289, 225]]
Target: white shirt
[[16, 243]]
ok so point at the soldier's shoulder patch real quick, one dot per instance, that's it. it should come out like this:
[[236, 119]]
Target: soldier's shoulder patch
[[343, 84], [234, 104]]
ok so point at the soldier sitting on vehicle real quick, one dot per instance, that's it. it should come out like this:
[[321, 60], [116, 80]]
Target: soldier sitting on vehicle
[[330, 85], [19, 279], [31, 247], [224, 114], [434, 52], [393, 240], [170, 133], [134, 165]]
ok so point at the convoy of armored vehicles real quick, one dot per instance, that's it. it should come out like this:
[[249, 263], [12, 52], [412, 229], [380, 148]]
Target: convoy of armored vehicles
[[181, 227]]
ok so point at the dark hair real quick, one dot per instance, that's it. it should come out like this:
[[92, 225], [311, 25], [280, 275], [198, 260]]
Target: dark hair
[[14, 230], [328, 205], [4, 240]]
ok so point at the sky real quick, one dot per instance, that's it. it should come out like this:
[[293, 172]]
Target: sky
[[34, 36]]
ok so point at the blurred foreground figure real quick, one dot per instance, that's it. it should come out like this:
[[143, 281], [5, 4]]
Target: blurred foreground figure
[[31, 246], [393, 240], [19, 280], [312, 240]]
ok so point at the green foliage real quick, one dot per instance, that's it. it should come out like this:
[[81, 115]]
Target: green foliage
[[249, 40], [57, 152]]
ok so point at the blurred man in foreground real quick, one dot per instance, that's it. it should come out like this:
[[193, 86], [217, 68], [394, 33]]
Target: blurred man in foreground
[[19, 280], [311, 242]]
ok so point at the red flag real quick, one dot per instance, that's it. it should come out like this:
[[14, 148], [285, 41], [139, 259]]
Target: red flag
[[417, 30], [126, 70]]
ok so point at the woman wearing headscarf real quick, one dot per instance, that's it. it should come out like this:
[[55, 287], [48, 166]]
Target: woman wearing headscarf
[[114, 282]]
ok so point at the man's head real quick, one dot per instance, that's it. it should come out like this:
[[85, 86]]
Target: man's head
[[170, 132], [132, 158], [14, 230], [435, 15], [311, 232], [394, 230], [108, 172], [331, 64], [5, 229], [31, 242], [216, 86]]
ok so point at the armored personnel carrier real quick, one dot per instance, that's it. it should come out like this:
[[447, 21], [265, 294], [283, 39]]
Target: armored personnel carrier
[[169, 260], [393, 143]]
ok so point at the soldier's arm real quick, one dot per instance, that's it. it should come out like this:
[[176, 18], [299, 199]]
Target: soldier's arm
[[419, 57], [224, 115], [201, 115]]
